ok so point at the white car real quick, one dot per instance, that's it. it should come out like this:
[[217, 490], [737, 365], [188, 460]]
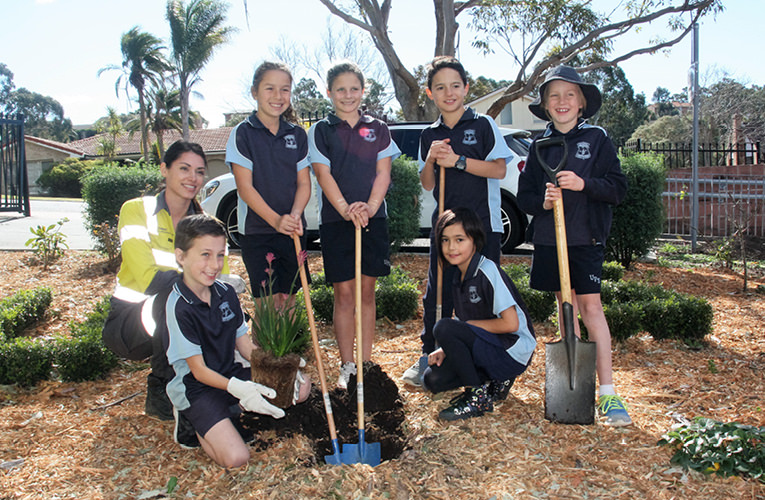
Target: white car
[[218, 197]]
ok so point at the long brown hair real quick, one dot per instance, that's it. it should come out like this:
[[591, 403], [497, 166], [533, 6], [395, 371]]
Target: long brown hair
[[289, 113]]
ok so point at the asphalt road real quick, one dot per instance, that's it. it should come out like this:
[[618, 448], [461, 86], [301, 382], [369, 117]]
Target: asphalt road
[[15, 228]]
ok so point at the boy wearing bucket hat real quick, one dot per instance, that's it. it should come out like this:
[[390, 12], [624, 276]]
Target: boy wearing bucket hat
[[590, 185]]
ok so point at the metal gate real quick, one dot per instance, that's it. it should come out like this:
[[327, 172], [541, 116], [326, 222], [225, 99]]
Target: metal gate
[[14, 186]]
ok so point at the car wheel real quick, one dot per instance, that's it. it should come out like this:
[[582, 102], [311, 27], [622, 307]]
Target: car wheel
[[512, 227], [229, 215]]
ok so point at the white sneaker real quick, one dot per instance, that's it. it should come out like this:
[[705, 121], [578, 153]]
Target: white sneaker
[[413, 374], [346, 370]]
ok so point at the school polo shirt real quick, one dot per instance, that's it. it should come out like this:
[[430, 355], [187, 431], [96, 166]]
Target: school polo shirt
[[351, 154], [194, 327], [474, 136], [485, 292], [274, 161]]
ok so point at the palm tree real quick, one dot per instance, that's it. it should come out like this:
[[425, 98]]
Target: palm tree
[[164, 113], [142, 62], [196, 30]]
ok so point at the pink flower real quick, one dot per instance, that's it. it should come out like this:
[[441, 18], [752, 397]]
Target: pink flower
[[270, 258], [302, 257], [263, 284], [269, 271]]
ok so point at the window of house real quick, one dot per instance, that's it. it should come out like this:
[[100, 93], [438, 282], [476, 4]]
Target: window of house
[[506, 116]]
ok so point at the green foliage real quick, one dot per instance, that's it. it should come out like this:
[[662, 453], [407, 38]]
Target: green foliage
[[83, 357], [624, 319], [396, 296], [65, 179], [107, 187], [403, 200], [612, 271], [21, 310], [678, 316], [712, 447], [540, 304], [25, 362], [639, 219], [48, 242], [322, 297], [279, 330]]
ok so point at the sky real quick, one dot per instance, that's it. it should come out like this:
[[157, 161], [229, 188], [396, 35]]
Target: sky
[[56, 47]]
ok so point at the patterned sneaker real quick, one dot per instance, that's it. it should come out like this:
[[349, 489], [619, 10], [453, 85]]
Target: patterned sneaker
[[474, 402], [183, 432], [614, 409], [346, 370], [413, 374], [498, 390]]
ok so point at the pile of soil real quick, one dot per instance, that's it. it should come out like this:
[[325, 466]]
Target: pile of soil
[[383, 415]]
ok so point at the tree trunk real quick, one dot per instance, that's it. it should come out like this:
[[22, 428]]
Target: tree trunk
[[184, 110], [446, 27], [144, 127]]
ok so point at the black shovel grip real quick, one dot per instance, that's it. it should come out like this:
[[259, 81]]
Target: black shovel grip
[[547, 142]]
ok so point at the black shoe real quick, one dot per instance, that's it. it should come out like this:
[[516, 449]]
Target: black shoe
[[474, 402], [498, 390], [184, 433], [157, 405]]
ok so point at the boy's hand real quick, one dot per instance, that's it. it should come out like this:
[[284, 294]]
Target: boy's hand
[[436, 357], [251, 397], [552, 193], [569, 180], [437, 151]]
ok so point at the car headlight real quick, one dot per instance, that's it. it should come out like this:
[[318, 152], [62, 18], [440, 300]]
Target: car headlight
[[209, 189]]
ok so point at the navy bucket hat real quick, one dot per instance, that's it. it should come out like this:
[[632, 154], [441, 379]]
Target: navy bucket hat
[[568, 74]]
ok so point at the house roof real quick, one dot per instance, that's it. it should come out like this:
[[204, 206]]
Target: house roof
[[67, 148], [494, 95], [212, 141]]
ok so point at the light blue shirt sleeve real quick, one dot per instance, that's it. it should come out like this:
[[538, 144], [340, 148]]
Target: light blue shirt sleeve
[[179, 347], [392, 150], [500, 149], [233, 155], [314, 154]]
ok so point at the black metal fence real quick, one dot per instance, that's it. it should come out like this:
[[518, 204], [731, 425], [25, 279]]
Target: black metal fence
[[679, 155], [14, 187], [310, 118]]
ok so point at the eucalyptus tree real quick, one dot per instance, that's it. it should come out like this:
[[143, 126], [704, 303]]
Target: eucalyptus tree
[[196, 30]]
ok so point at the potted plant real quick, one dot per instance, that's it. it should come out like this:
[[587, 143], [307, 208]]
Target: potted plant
[[282, 334]]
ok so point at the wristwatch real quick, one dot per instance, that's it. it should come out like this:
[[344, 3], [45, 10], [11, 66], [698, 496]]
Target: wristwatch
[[461, 163]]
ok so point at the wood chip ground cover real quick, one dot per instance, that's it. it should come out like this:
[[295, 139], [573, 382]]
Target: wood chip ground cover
[[70, 441]]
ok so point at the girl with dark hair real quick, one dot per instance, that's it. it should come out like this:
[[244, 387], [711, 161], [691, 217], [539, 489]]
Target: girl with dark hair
[[491, 340]]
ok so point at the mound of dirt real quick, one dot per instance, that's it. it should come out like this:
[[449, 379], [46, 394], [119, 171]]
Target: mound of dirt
[[383, 409]]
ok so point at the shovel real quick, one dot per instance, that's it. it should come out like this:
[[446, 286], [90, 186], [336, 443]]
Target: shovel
[[570, 362], [366, 453], [333, 459], [440, 268]]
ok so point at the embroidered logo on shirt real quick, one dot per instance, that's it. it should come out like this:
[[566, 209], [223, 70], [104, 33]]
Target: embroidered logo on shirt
[[290, 142], [583, 150], [368, 134], [473, 294], [469, 137], [226, 314]]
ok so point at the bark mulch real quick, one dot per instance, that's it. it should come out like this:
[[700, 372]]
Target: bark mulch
[[92, 440]]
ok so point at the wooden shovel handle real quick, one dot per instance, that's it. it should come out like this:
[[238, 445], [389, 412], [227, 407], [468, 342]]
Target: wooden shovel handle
[[562, 247], [359, 347], [439, 264]]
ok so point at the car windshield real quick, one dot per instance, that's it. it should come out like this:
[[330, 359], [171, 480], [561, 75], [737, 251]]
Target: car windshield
[[519, 144]]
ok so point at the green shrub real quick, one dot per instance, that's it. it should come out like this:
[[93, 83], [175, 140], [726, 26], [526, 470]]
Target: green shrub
[[612, 271], [624, 320], [540, 304], [25, 362], [517, 271], [84, 356], [713, 447], [678, 316], [107, 187], [65, 179], [639, 219], [396, 296], [322, 298], [403, 200], [48, 242], [21, 310]]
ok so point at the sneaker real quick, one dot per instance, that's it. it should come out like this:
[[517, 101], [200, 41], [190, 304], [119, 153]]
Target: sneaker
[[184, 433], [413, 375], [614, 409], [498, 390], [346, 370], [474, 402], [157, 404]]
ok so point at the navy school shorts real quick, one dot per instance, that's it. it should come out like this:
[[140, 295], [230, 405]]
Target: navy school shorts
[[585, 264], [212, 405], [255, 247], [338, 246]]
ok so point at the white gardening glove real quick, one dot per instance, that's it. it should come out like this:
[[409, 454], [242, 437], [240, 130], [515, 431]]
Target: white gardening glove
[[299, 381], [235, 281], [251, 397]]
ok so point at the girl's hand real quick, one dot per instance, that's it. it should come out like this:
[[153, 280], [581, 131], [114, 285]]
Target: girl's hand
[[298, 223], [569, 180], [436, 357], [359, 212], [286, 224], [552, 193]]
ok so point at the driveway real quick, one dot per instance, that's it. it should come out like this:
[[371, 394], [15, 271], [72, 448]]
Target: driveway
[[45, 211]]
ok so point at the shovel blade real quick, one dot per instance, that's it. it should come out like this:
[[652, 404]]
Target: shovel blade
[[564, 404], [362, 453], [334, 459]]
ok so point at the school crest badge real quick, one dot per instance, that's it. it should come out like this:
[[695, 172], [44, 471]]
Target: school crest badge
[[290, 142], [226, 314], [368, 134], [583, 150], [469, 137], [473, 294]]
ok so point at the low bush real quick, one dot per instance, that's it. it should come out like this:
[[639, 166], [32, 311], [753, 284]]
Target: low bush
[[65, 178], [403, 201], [25, 362], [21, 310], [84, 356], [624, 319], [322, 298], [540, 304], [612, 271], [396, 296], [678, 316]]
